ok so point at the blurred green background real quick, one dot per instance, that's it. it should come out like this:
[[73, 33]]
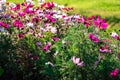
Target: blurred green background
[[108, 9]]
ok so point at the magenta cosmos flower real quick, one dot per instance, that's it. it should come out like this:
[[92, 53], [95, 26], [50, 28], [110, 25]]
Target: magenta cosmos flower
[[4, 25], [18, 24], [93, 38], [100, 23], [114, 73], [47, 46], [55, 39], [77, 61]]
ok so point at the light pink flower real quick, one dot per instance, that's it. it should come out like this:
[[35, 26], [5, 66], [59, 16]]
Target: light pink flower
[[53, 30], [77, 61], [105, 49], [115, 35]]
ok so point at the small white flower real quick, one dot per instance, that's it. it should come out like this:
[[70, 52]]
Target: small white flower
[[13, 5], [2, 1], [53, 30], [57, 16], [49, 63], [61, 6], [30, 2], [63, 41], [55, 53], [30, 24], [114, 34]]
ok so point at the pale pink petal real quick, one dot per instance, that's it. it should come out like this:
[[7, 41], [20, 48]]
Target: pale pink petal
[[77, 60]]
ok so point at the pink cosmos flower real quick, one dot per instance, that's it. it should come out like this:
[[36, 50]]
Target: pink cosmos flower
[[77, 61], [17, 7], [29, 10], [105, 49], [21, 14], [35, 57], [56, 39], [51, 19], [115, 35], [114, 73], [20, 35], [93, 38], [47, 46], [18, 24], [100, 23], [4, 25], [53, 30]]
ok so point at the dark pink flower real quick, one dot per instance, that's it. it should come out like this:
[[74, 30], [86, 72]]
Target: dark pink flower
[[118, 55], [47, 46], [4, 25], [21, 14], [19, 61], [93, 38], [56, 39], [114, 73], [20, 35], [17, 7], [105, 49], [29, 10], [35, 57], [18, 24], [100, 23], [51, 19]]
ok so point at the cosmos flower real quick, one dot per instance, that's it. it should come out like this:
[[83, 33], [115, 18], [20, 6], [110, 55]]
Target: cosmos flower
[[93, 38], [77, 61], [114, 73]]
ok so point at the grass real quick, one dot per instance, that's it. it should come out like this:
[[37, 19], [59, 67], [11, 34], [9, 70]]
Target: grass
[[108, 9]]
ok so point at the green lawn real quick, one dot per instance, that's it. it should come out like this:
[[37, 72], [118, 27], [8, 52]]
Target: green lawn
[[109, 9]]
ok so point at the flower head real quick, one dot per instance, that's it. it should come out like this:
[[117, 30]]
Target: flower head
[[114, 73], [77, 61], [100, 23], [93, 38]]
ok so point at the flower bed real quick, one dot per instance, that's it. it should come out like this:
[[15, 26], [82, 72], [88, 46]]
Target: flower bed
[[47, 43]]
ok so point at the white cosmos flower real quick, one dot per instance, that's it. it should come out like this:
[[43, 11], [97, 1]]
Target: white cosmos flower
[[53, 30], [114, 34], [30, 24], [2, 1], [61, 6], [13, 5], [30, 2], [57, 16]]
